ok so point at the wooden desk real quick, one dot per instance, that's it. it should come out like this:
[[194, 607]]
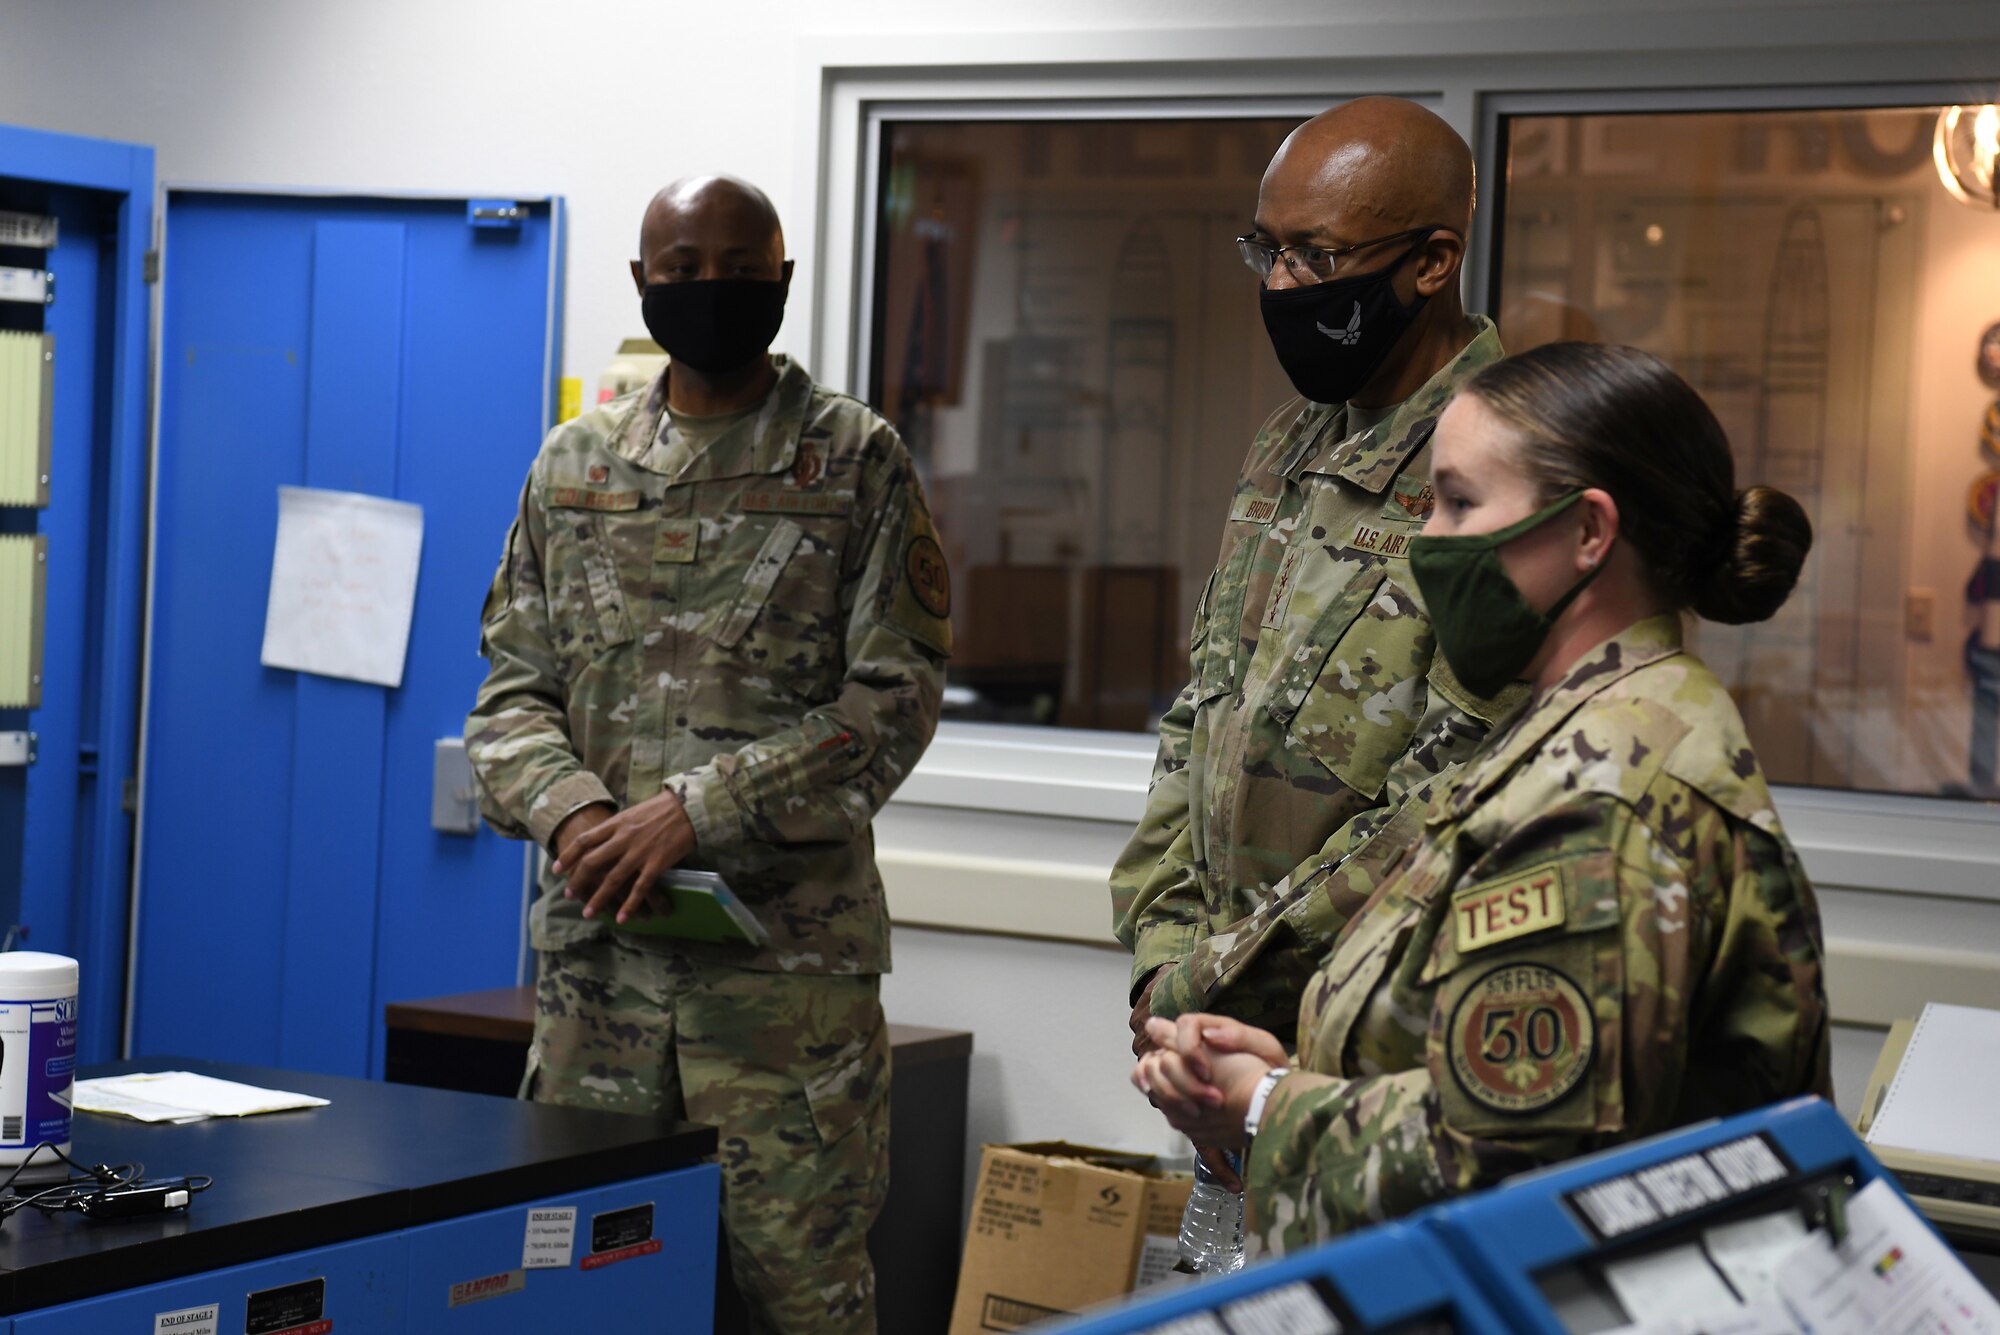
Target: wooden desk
[[478, 1041]]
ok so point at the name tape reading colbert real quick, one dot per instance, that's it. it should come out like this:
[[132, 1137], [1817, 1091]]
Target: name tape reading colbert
[[189, 1321], [550, 1239], [1632, 1201]]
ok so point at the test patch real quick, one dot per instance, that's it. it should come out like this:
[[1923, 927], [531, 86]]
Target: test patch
[[1520, 1038], [1494, 911]]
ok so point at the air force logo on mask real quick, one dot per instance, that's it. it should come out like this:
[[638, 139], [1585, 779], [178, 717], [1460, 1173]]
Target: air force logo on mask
[[1349, 336]]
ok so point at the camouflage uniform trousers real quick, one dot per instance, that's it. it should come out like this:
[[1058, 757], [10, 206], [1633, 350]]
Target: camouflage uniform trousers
[[793, 1070]]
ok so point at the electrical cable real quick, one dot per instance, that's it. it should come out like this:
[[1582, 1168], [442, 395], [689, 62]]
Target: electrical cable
[[100, 1191]]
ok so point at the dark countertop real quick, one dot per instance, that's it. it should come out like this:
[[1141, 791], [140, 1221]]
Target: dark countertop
[[381, 1157], [507, 1015]]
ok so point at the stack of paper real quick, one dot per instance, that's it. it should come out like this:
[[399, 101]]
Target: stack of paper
[[182, 1096], [1942, 1099], [1891, 1273]]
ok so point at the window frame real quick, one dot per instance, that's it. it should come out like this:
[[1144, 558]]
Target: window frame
[[881, 115], [1027, 769], [1472, 75]]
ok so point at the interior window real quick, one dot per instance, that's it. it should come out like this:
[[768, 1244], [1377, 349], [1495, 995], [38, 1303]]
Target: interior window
[[1065, 335], [1838, 304]]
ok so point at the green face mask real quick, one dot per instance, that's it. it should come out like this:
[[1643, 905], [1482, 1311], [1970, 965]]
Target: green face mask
[[1485, 629]]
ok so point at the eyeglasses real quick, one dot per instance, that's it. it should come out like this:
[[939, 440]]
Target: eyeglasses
[[1313, 264]]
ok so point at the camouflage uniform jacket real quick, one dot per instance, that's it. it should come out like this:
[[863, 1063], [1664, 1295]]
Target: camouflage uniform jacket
[[1314, 705], [1603, 933], [760, 626]]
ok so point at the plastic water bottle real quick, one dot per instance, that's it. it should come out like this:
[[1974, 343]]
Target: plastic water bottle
[[1212, 1227]]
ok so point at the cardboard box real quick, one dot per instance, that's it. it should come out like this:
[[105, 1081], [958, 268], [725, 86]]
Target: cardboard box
[[1057, 1228]]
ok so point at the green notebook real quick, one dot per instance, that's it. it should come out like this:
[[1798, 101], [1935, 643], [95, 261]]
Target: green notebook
[[704, 909]]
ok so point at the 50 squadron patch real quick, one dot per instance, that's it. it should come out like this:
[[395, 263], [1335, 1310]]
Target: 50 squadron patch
[[930, 581], [1521, 1037]]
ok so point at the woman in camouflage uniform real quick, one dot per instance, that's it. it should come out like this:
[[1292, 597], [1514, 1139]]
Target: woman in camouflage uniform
[[1603, 932]]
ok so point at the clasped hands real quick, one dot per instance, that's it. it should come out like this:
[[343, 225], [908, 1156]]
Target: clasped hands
[[611, 856], [1201, 1070]]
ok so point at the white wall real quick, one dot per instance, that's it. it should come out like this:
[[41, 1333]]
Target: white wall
[[603, 100]]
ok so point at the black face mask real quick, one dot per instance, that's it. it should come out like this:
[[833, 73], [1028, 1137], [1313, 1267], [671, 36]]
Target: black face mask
[[715, 325], [1332, 337]]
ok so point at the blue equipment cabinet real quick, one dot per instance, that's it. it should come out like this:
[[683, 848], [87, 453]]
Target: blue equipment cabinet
[[1393, 1278], [1535, 1244], [65, 827], [460, 1268], [392, 1209], [355, 1286]]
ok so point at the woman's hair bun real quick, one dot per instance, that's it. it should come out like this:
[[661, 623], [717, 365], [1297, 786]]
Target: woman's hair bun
[[1762, 554]]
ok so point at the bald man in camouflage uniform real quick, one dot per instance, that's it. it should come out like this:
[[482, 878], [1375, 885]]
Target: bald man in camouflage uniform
[[717, 641], [1605, 934], [1315, 704]]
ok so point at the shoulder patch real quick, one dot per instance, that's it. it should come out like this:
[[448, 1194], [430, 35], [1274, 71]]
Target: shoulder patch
[[918, 600], [1513, 906], [929, 581], [1521, 1038]]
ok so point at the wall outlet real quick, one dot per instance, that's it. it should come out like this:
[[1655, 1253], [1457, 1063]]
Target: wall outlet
[[1920, 615]]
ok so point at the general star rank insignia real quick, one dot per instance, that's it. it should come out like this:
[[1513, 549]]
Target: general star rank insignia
[[1521, 1037], [1281, 587]]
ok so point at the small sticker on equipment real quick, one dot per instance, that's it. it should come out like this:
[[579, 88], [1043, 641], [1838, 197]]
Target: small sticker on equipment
[[189, 1321], [620, 1235], [551, 1237], [292, 1309], [488, 1286]]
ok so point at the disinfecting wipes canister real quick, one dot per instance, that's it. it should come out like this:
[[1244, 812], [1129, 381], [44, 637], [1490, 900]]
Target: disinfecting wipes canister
[[37, 1051]]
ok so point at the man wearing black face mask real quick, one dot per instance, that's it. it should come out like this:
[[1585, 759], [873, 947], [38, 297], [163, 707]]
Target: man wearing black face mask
[[717, 642], [1292, 768]]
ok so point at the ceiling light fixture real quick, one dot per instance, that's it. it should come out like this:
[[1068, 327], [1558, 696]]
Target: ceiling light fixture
[[1967, 149]]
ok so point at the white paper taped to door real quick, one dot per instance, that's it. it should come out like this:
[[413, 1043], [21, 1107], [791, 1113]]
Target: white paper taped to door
[[343, 584]]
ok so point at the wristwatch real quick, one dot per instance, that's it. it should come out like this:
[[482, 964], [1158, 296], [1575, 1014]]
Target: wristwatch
[[1259, 1095]]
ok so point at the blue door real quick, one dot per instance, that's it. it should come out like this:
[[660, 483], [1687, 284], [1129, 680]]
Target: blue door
[[290, 882], [65, 839]]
